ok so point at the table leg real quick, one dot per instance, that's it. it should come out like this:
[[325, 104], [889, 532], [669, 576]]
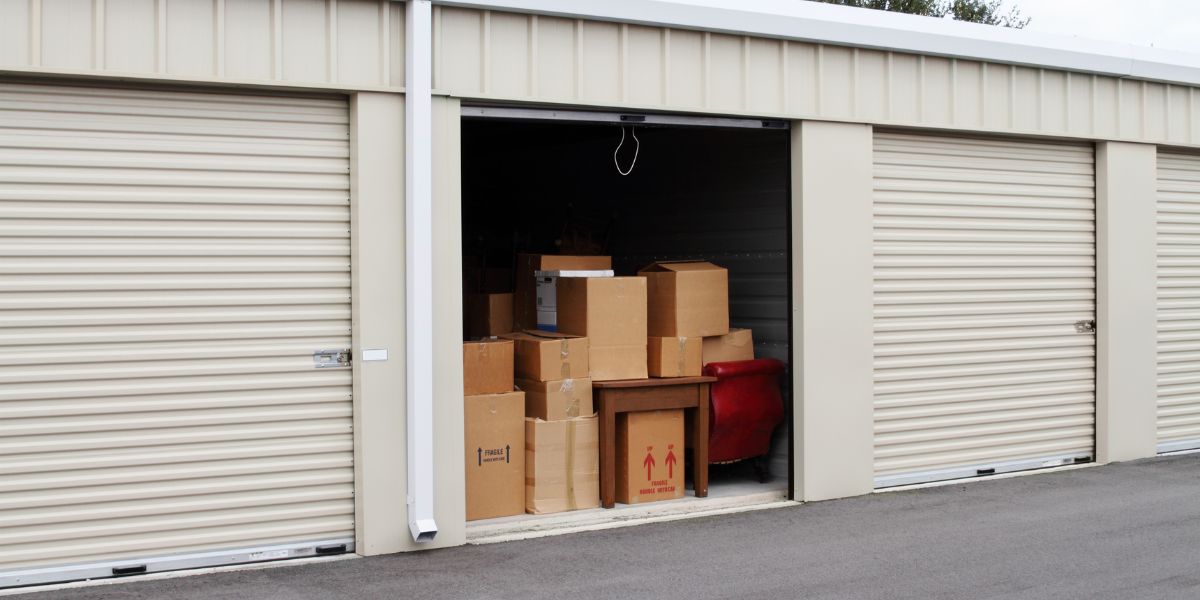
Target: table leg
[[700, 443], [608, 451]]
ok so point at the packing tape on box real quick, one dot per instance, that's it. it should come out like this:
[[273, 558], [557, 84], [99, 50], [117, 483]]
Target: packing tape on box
[[572, 504], [568, 385], [564, 354], [682, 356]]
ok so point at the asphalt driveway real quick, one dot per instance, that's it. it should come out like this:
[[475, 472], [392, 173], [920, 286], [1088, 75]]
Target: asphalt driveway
[[1128, 531]]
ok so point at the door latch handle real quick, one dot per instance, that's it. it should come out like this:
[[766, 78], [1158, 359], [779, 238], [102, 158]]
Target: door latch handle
[[1085, 326]]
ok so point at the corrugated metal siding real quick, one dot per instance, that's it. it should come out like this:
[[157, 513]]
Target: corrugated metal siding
[[338, 43], [984, 260], [1178, 301], [168, 263], [503, 56]]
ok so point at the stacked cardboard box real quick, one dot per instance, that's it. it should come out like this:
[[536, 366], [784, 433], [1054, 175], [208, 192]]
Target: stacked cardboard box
[[686, 302], [562, 460], [494, 431], [488, 314], [738, 344], [611, 313], [525, 295]]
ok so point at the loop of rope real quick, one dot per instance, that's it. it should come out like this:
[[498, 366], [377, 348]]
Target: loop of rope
[[636, 149]]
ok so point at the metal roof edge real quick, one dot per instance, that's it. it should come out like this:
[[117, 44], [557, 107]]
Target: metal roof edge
[[845, 26]]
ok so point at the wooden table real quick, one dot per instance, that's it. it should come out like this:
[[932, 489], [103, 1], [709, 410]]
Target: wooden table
[[637, 395]]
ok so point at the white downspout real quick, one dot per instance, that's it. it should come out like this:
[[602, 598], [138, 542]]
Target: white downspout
[[418, 281]]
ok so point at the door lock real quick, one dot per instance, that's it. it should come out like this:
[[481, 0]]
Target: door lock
[[1085, 326]]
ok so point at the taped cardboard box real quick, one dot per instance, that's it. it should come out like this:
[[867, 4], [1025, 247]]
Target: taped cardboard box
[[557, 400], [489, 314], [738, 344], [494, 432], [687, 299], [674, 356], [548, 355], [562, 465], [649, 456], [487, 367], [611, 313], [525, 287]]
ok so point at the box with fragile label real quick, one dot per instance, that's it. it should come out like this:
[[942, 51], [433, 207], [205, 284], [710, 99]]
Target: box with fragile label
[[547, 296], [674, 356], [494, 432], [611, 313], [689, 299], [488, 314], [525, 298], [557, 400], [548, 355], [738, 344], [562, 465], [649, 456], [487, 367]]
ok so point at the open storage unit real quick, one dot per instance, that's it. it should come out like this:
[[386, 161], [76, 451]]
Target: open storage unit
[[556, 182]]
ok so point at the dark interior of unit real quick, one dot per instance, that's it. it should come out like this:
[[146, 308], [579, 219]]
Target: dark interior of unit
[[717, 194]]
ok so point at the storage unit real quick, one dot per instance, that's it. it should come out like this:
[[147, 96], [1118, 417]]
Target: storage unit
[[1178, 301], [170, 261], [985, 291]]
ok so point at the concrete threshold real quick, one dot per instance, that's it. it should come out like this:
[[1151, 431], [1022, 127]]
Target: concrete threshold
[[523, 527]]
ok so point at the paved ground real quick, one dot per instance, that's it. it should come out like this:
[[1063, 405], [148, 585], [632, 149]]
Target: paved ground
[[1127, 531]]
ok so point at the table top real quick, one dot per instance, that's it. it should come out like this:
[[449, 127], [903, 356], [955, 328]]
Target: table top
[[651, 382]]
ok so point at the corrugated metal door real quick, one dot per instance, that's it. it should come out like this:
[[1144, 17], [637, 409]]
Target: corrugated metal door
[[984, 265], [1178, 301], [168, 264]]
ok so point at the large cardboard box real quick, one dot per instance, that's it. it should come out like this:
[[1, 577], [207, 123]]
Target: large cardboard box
[[562, 465], [489, 314], [487, 367], [687, 299], [611, 313], [494, 453], [557, 400], [548, 355], [674, 356], [738, 344], [525, 286], [649, 456]]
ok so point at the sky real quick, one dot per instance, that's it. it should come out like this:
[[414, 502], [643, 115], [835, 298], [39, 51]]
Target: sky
[[1167, 24]]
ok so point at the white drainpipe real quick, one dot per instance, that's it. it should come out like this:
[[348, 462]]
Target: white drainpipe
[[418, 281]]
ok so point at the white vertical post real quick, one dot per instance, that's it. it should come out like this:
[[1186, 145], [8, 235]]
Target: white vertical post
[[1126, 301], [832, 295], [418, 235]]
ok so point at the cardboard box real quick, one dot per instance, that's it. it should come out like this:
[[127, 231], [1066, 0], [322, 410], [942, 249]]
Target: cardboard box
[[489, 314], [525, 294], [562, 465], [649, 456], [611, 313], [687, 299], [738, 344], [547, 296], [495, 460], [674, 356], [487, 367], [557, 400], [547, 355]]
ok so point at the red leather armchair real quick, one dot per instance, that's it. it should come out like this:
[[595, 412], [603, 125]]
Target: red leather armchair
[[746, 408]]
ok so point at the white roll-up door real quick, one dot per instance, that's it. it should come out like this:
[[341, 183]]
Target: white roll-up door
[[1178, 301], [984, 266], [169, 261]]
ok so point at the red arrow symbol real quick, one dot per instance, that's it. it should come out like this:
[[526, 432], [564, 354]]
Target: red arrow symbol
[[649, 463], [670, 464]]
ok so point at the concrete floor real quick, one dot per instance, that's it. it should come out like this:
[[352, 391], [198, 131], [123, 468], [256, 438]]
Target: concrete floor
[[1126, 531]]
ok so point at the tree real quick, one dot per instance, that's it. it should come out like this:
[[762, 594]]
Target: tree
[[988, 12]]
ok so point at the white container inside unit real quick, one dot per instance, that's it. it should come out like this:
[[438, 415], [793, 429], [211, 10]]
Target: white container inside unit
[[547, 294]]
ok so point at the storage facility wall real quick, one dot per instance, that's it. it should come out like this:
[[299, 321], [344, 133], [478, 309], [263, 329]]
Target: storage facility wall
[[170, 261], [693, 193], [985, 260], [1178, 301]]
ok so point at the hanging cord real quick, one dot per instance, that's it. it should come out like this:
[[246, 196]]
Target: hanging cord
[[636, 149]]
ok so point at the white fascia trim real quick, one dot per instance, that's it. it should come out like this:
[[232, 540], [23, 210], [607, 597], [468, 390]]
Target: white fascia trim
[[845, 26]]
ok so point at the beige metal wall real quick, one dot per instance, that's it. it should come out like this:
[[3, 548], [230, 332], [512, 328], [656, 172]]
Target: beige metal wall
[[504, 56], [355, 44]]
